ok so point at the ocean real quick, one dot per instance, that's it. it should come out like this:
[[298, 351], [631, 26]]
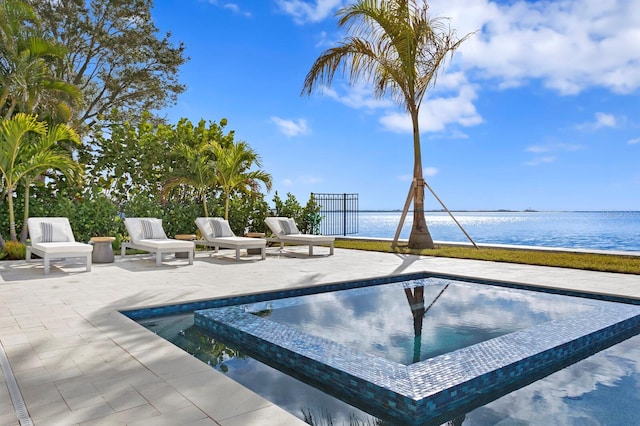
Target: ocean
[[602, 230]]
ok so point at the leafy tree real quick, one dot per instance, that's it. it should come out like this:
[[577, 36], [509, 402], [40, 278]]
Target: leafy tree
[[232, 168], [27, 58], [27, 148], [397, 47], [116, 56], [125, 158], [307, 218]]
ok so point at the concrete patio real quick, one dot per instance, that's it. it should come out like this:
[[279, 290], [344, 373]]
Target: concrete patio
[[77, 360]]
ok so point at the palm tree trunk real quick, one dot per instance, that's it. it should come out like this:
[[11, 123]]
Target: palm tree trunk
[[25, 230], [420, 237], [12, 219], [204, 205]]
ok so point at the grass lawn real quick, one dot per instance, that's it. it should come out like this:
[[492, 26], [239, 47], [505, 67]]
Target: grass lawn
[[587, 261]]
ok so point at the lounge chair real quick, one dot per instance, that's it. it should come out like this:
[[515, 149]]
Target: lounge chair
[[284, 230], [52, 238], [148, 235], [216, 233]]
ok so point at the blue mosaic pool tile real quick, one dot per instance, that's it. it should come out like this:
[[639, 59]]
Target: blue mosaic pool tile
[[432, 389]]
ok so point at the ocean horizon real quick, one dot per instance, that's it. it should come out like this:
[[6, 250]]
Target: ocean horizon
[[596, 230]]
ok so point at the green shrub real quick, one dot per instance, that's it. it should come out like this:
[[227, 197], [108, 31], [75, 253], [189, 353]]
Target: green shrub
[[15, 250]]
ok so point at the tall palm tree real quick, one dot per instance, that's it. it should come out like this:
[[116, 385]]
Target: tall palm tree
[[28, 148], [232, 168], [398, 48], [198, 173]]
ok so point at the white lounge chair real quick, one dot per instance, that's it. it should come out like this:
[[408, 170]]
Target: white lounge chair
[[284, 230], [52, 238], [216, 233], [148, 235]]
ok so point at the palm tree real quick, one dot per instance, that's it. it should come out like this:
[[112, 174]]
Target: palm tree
[[27, 81], [398, 48], [27, 149], [198, 173], [232, 166]]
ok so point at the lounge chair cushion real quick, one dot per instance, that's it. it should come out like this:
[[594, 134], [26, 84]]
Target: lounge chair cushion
[[52, 232], [221, 228], [53, 248], [152, 230], [289, 227]]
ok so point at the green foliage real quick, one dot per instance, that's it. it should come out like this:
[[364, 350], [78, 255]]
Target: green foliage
[[116, 56], [308, 218], [247, 213], [28, 82], [311, 217], [179, 218], [15, 250], [126, 158], [233, 172], [28, 148]]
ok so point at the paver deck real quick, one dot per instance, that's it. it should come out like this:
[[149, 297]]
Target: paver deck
[[77, 360]]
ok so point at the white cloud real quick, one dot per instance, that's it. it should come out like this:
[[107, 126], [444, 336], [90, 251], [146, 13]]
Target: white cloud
[[430, 171], [357, 96], [539, 149], [601, 120], [287, 182], [426, 172], [291, 128], [236, 9], [541, 160], [549, 149], [633, 141], [437, 113], [233, 7], [304, 11], [569, 45]]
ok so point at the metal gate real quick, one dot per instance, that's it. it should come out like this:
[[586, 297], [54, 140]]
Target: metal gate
[[339, 213]]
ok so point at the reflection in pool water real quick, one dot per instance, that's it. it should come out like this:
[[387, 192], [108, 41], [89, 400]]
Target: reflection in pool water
[[603, 389], [415, 320], [594, 391]]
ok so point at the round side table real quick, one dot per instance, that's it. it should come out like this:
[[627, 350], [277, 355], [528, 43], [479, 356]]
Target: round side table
[[184, 237], [102, 249]]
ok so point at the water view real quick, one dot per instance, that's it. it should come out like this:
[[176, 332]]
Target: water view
[[618, 230]]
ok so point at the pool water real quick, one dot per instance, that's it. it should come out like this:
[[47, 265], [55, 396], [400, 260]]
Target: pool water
[[415, 320], [603, 389], [457, 344]]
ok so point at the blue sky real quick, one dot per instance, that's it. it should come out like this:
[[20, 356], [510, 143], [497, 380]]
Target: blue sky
[[539, 109]]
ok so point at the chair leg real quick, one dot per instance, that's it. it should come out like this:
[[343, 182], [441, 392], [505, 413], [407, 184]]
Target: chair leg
[[190, 257], [158, 258], [331, 250], [237, 254], [46, 264], [28, 256], [310, 249], [263, 253], [89, 263]]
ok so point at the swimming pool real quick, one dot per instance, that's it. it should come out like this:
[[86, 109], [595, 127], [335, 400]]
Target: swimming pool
[[550, 335]]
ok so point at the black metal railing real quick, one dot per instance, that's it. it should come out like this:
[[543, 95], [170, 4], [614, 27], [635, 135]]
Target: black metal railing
[[339, 213]]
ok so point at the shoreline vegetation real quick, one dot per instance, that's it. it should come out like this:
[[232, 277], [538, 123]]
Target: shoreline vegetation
[[585, 261]]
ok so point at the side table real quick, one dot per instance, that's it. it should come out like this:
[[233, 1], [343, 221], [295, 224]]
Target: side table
[[254, 235], [102, 249], [184, 237]]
